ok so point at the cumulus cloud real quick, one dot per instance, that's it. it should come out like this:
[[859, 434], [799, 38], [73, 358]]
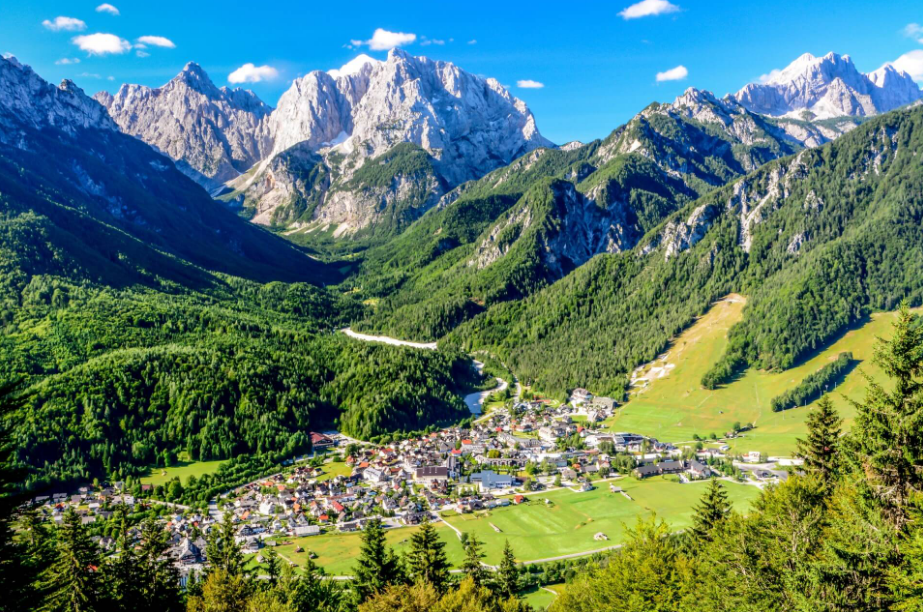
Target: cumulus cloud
[[529, 84], [157, 41], [383, 40], [101, 44], [911, 63], [915, 31], [69, 24], [772, 74], [673, 74], [473, 41], [67, 61], [107, 8], [648, 8], [248, 73]]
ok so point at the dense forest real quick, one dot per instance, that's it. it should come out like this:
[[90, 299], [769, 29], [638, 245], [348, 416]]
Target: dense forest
[[815, 384], [163, 327]]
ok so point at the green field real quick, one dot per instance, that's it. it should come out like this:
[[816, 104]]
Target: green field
[[539, 531], [337, 553], [538, 597], [675, 407], [333, 469], [536, 530], [183, 470]]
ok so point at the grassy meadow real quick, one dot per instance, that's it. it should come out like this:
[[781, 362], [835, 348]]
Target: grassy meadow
[[675, 406]]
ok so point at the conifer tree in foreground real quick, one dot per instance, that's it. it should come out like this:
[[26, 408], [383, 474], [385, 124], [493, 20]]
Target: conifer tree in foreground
[[712, 509], [887, 437], [508, 574], [472, 564], [820, 449], [377, 566], [427, 561], [73, 580]]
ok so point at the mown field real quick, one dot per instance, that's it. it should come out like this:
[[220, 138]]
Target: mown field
[[568, 525], [675, 407], [183, 470], [536, 530]]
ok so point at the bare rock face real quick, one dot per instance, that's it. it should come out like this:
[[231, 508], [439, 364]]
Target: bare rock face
[[829, 86], [27, 100], [214, 134]]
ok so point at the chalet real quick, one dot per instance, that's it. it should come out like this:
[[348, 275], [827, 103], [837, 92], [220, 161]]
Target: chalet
[[321, 442], [580, 396], [697, 471], [374, 476]]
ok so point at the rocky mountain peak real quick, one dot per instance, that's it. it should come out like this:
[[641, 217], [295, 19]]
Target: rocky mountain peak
[[826, 87], [213, 134], [27, 100]]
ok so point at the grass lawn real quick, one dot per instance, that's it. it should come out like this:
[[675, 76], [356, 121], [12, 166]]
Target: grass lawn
[[333, 469], [183, 469], [538, 597], [674, 407], [567, 526]]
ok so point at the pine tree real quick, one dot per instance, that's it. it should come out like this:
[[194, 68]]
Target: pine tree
[[508, 574], [159, 578], [820, 449], [886, 443], [712, 509], [120, 574], [377, 566], [72, 579], [472, 564], [307, 591], [427, 561], [272, 566], [222, 550]]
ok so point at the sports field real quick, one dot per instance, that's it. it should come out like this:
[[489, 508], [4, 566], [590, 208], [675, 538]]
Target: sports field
[[537, 530], [675, 406], [183, 470], [568, 525]]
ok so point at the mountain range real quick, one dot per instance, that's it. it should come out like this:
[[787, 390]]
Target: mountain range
[[428, 199]]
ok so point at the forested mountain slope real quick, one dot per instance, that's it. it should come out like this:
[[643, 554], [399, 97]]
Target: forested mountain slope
[[525, 226], [815, 241]]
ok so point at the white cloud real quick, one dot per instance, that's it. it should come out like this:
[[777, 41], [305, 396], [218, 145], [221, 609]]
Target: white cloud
[[70, 24], [765, 78], [648, 8], [141, 53], [529, 84], [911, 63], [89, 75], [673, 74], [431, 41], [67, 61], [110, 78], [473, 41], [248, 73], [915, 31], [157, 41], [101, 44], [383, 40], [107, 8]]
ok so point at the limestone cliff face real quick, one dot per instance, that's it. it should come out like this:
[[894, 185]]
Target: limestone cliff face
[[214, 134]]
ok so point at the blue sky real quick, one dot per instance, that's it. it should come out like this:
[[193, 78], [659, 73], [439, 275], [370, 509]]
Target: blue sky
[[597, 67]]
